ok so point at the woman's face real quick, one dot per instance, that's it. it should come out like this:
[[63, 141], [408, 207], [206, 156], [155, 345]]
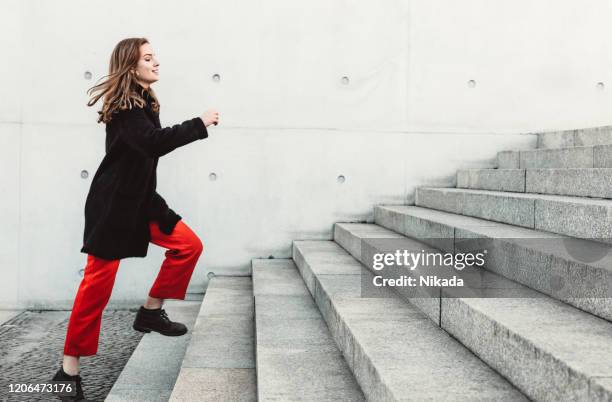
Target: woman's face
[[147, 69]]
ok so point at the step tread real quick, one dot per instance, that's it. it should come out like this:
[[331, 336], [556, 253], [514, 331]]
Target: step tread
[[559, 149], [491, 170], [219, 362], [591, 183], [555, 331], [297, 358], [392, 346]]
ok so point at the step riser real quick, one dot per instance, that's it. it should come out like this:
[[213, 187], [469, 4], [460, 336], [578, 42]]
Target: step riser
[[591, 221], [602, 156], [508, 160], [565, 158], [531, 368], [585, 286], [560, 139], [599, 156], [492, 179], [576, 138], [572, 182]]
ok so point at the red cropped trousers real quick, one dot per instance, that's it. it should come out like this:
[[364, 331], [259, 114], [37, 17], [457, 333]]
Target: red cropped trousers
[[184, 249]]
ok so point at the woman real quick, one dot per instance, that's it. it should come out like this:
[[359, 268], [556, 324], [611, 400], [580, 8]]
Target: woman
[[123, 212]]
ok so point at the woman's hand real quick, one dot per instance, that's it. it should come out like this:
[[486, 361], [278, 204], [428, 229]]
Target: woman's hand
[[211, 116]]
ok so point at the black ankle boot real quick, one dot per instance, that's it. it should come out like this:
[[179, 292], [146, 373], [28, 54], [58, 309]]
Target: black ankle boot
[[157, 320], [61, 375]]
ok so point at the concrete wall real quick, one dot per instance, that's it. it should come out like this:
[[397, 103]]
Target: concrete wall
[[290, 126]]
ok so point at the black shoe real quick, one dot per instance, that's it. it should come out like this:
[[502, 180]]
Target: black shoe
[[61, 375], [157, 320]]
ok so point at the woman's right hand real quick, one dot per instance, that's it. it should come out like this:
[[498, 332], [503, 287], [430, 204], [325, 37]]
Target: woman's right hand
[[211, 116]]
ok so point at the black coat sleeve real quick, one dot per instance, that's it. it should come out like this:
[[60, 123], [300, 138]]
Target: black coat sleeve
[[137, 130]]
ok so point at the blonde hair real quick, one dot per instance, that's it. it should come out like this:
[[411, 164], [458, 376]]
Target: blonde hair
[[118, 90]]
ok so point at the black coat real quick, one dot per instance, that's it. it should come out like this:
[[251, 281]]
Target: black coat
[[122, 197]]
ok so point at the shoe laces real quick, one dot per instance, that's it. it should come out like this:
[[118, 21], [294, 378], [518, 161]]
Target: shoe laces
[[164, 315]]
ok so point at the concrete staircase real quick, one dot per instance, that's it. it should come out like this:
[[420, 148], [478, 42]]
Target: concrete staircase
[[539, 328]]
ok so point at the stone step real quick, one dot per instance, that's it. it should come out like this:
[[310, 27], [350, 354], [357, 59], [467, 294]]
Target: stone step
[[512, 180], [296, 356], [578, 272], [599, 156], [588, 182], [573, 182], [394, 351], [548, 349], [575, 138], [150, 375], [508, 160], [588, 218], [219, 363]]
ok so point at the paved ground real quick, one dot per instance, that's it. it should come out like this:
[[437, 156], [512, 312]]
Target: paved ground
[[31, 348]]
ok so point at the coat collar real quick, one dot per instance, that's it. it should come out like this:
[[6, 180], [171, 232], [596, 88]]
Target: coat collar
[[144, 92], [141, 90]]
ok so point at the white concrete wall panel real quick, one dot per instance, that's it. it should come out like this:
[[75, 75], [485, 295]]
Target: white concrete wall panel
[[9, 215], [52, 204], [11, 77], [289, 125], [536, 64]]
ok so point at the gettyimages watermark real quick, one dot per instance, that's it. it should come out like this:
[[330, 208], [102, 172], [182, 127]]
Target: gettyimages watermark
[[566, 268]]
